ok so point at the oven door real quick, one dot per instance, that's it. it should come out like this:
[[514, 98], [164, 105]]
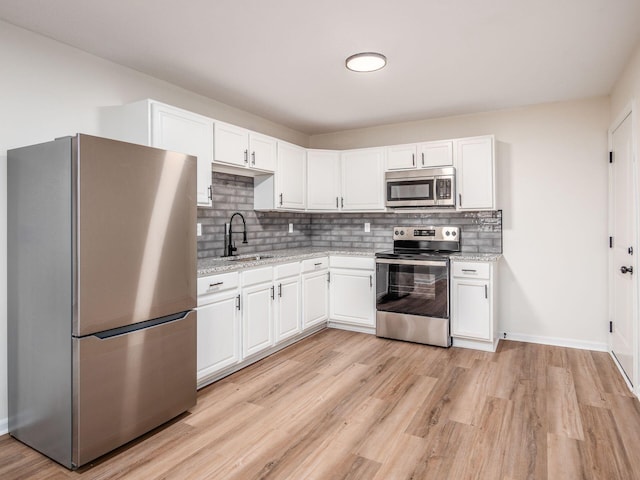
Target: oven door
[[413, 192], [412, 300]]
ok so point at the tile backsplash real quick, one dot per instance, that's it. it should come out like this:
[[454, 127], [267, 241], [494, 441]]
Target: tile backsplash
[[480, 231]]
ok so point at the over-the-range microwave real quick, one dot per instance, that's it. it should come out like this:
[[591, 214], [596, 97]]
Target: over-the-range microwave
[[425, 187]]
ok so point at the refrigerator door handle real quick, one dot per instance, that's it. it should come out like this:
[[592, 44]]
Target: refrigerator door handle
[[141, 325]]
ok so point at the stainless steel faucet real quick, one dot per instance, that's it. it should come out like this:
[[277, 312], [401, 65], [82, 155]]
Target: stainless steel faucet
[[229, 245]]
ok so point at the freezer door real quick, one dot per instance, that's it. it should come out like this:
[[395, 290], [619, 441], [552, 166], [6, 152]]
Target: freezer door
[[136, 234], [128, 384]]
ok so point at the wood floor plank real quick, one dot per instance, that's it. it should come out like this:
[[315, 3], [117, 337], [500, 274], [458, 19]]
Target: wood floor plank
[[345, 405], [562, 404]]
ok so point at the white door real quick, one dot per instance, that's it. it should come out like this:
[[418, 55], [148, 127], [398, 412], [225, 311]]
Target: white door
[[291, 175], [180, 131], [315, 298], [323, 180], [288, 308], [474, 171], [401, 157], [363, 179], [263, 152], [622, 257], [257, 318], [218, 334], [352, 297], [436, 154], [471, 309], [231, 144]]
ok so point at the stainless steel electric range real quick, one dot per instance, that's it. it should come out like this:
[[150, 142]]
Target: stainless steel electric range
[[412, 298]]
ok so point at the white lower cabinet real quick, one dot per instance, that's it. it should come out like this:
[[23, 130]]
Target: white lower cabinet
[[315, 292], [218, 343], [473, 316], [352, 293]]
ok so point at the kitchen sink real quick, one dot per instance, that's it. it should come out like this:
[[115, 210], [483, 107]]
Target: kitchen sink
[[252, 258]]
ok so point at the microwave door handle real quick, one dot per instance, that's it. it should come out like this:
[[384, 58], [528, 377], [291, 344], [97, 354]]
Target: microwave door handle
[[435, 191]]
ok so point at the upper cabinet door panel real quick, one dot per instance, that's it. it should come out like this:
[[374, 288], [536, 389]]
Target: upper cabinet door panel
[[400, 157], [291, 176], [185, 132], [436, 154], [363, 179], [262, 152], [323, 184], [231, 144], [475, 173]]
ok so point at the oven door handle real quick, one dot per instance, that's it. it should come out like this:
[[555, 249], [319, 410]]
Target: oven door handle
[[427, 263]]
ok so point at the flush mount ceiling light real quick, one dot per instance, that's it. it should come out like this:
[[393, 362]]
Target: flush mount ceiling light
[[366, 62]]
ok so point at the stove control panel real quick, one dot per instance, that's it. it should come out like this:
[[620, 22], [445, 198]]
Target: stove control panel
[[447, 233]]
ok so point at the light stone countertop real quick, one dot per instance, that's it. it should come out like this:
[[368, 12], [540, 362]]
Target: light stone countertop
[[212, 266], [475, 257]]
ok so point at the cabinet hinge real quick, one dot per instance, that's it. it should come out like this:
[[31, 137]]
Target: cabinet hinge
[[610, 327], [610, 242], [610, 157]]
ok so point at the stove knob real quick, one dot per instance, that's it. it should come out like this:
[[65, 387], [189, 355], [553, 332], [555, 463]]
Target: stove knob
[[396, 232], [401, 232], [447, 233], [453, 233]]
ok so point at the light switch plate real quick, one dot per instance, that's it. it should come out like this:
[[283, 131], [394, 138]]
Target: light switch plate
[[199, 229], [367, 227], [291, 228]]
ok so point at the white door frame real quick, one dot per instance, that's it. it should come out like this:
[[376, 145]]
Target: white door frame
[[629, 110]]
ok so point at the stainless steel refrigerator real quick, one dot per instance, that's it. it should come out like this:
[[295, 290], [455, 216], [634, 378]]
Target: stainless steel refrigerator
[[101, 291]]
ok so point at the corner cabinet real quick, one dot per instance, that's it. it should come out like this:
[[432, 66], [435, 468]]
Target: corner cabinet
[[475, 173], [162, 126], [473, 306], [362, 179], [352, 293]]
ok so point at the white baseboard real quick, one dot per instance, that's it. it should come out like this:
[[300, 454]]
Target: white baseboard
[[555, 341], [351, 328], [4, 426]]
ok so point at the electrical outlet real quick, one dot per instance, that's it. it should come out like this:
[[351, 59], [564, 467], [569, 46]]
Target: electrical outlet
[[199, 229], [367, 227], [291, 228]]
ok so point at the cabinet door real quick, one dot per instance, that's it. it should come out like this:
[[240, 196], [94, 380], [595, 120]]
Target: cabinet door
[[185, 132], [231, 144], [262, 152], [436, 154], [352, 297], [474, 170], [218, 334], [315, 298], [323, 180], [471, 315], [401, 157], [291, 176], [288, 308], [257, 318], [363, 179]]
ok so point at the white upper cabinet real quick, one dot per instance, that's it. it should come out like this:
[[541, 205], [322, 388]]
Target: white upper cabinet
[[362, 179], [323, 180], [156, 124], [240, 147], [291, 177], [475, 173], [401, 157], [420, 155], [435, 154]]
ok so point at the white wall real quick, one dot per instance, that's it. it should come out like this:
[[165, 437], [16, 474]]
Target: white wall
[[552, 187], [49, 90]]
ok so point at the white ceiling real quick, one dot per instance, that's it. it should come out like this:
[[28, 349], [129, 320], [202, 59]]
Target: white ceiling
[[284, 59]]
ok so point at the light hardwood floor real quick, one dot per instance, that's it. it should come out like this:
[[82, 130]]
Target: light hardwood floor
[[344, 405]]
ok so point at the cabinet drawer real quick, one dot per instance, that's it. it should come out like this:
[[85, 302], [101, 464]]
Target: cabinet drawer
[[258, 275], [363, 263], [313, 264], [217, 283], [472, 270], [286, 270]]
